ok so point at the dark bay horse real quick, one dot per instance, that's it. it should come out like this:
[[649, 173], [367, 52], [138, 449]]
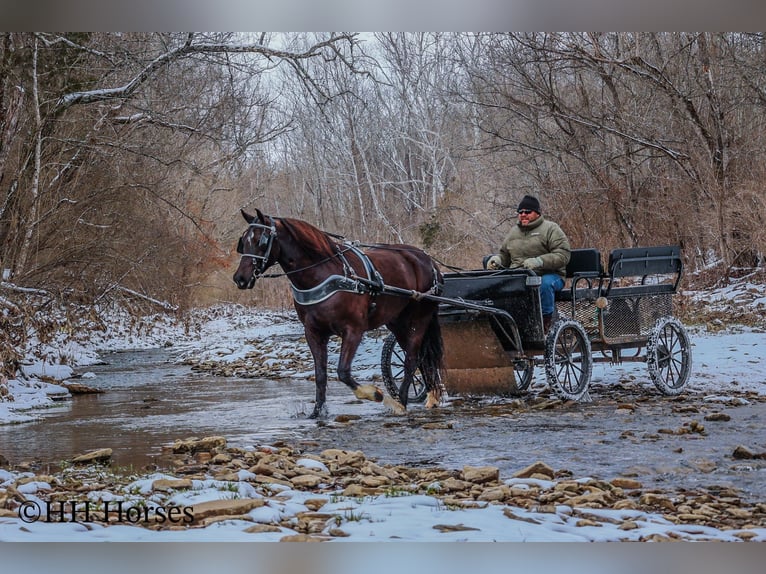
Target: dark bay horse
[[338, 290]]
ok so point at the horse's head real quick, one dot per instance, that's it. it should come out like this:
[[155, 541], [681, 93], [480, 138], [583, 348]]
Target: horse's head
[[256, 246]]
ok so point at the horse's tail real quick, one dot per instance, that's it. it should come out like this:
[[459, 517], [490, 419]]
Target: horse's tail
[[431, 359]]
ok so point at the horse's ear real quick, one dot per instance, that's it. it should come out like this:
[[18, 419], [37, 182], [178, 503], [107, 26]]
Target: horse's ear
[[249, 218], [261, 217]]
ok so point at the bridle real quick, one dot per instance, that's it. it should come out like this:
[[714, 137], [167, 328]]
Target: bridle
[[265, 243]]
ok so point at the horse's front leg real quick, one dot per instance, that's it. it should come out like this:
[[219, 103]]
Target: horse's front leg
[[348, 348], [318, 346]]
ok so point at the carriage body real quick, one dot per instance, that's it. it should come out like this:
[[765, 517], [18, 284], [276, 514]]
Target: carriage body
[[493, 327]]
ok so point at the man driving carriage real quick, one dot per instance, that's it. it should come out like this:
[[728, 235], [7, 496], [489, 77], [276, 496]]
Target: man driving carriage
[[540, 245]]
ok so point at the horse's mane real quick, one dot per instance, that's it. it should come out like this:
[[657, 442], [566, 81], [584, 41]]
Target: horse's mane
[[312, 239]]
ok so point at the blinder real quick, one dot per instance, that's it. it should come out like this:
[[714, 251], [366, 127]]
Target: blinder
[[265, 242]]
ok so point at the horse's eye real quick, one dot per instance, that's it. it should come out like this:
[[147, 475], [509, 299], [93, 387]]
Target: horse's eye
[[263, 241]]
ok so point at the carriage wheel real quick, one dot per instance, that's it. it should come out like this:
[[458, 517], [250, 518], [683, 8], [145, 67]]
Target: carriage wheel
[[392, 367], [669, 356], [568, 360], [525, 372]]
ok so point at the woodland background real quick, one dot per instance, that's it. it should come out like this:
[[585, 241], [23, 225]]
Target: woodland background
[[125, 158]]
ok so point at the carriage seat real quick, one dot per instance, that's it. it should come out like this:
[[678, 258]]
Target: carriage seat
[[644, 270], [584, 271]]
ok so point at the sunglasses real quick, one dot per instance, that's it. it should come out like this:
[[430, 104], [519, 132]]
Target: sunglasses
[[524, 211]]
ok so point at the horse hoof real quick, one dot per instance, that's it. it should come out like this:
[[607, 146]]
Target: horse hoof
[[396, 407], [433, 401], [368, 393]]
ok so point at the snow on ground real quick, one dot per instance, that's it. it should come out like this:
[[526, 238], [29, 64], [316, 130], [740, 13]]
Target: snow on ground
[[723, 361]]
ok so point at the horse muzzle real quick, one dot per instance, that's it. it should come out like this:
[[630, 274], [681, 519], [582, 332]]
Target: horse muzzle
[[244, 282]]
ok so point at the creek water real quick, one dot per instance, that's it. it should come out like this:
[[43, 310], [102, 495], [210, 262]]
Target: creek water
[[149, 401]]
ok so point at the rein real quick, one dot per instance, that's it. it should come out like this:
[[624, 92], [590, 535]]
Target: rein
[[317, 264]]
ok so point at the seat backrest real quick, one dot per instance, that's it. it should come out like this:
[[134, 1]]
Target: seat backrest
[[585, 262], [644, 261]]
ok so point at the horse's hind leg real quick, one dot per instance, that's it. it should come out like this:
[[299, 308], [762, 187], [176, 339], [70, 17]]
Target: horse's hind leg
[[348, 349], [318, 346]]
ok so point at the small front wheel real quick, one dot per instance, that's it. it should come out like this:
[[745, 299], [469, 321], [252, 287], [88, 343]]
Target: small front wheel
[[568, 360], [392, 368], [669, 356]]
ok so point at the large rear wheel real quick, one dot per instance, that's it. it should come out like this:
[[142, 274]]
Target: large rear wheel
[[568, 360], [392, 368], [669, 356]]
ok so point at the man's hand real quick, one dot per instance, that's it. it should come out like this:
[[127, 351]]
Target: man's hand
[[533, 263], [495, 262]]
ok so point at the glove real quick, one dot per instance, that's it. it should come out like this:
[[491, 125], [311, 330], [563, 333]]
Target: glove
[[495, 262], [533, 263]]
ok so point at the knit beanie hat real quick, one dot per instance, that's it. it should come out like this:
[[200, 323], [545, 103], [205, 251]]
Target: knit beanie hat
[[530, 202]]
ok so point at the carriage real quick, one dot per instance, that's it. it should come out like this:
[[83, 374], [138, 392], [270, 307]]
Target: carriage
[[493, 332], [470, 332]]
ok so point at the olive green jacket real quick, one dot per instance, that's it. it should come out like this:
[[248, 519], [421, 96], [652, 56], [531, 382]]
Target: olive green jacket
[[543, 239]]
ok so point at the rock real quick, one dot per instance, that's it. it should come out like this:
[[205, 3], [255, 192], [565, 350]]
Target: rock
[[354, 458], [314, 503], [481, 474], [652, 499], [347, 418], [100, 455], [263, 469], [224, 507], [592, 499], [626, 483], [718, 417], [494, 494], [628, 525], [453, 484], [354, 491], [539, 468], [742, 452], [194, 444], [374, 481], [746, 535], [307, 481], [372, 468], [739, 512], [168, 484], [80, 389]]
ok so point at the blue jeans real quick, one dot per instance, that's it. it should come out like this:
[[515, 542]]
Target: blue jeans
[[552, 282]]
